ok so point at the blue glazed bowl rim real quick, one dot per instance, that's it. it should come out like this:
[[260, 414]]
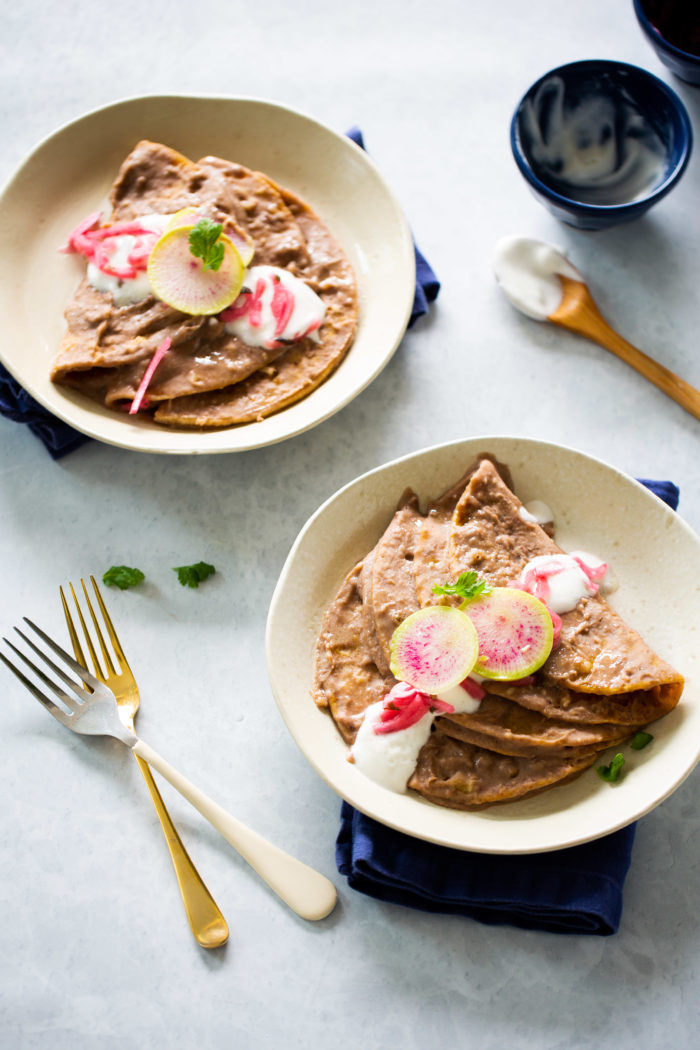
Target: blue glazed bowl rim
[[591, 210], [658, 39]]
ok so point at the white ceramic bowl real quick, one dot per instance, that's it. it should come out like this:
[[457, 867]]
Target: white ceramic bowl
[[656, 558], [69, 175]]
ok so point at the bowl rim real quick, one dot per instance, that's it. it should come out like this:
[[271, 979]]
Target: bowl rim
[[658, 39], [583, 208]]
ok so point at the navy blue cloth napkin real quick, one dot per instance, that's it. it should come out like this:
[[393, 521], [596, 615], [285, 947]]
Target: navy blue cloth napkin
[[575, 890], [15, 403], [59, 438]]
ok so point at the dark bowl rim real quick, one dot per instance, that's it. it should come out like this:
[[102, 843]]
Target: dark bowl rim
[[656, 38], [569, 203]]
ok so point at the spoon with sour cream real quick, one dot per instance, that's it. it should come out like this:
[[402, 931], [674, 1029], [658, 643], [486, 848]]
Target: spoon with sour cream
[[541, 282]]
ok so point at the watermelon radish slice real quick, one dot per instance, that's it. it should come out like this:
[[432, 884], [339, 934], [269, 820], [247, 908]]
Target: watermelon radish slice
[[515, 633], [180, 280], [434, 648]]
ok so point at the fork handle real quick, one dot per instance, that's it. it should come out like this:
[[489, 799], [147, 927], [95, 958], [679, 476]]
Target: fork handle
[[203, 913], [307, 892]]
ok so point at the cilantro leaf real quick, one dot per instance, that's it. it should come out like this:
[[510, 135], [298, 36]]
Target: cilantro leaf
[[469, 586], [193, 575], [122, 576], [205, 244], [640, 740], [611, 772]]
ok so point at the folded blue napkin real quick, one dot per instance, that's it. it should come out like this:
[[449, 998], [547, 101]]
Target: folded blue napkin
[[15, 403], [575, 890], [59, 438]]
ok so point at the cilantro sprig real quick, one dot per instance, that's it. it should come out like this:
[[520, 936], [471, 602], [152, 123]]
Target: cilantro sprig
[[205, 244], [468, 586], [193, 575], [122, 576]]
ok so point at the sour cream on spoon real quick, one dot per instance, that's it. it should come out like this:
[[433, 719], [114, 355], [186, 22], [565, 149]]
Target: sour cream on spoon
[[541, 282], [528, 273]]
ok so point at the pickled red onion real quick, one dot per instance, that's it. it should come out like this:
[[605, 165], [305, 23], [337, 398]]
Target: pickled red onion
[[282, 306], [148, 375], [255, 308], [595, 573], [476, 691], [404, 706], [95, 244]]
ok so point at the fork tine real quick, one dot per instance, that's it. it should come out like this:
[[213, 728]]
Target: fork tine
[[116, 644], [73, 686], [108, 623], [77, 668], [75, 640], [57, 712]]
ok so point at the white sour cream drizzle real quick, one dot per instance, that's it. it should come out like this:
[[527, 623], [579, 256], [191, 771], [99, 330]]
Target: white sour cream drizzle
[[260, 328], [125, 290], [389, 759], [597, 149], [528, 273]]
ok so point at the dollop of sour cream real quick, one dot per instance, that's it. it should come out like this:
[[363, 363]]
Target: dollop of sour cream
[[121, 250], [537, 512], [389, 759], [562, 580], [528, 273], [274, 308]]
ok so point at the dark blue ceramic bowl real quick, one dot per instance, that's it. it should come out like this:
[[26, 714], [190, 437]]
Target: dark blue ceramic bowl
[[600, 142], [672, 27]]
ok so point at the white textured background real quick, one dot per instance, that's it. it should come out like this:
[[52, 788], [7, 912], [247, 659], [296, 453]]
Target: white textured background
[[94, 951]]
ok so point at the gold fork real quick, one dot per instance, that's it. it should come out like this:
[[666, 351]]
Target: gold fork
[[206, 921]]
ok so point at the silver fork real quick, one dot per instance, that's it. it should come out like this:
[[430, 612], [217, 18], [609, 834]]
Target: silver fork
[[307, 892], [203, 913]]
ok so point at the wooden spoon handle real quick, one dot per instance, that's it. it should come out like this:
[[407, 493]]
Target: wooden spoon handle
[[579, 313]]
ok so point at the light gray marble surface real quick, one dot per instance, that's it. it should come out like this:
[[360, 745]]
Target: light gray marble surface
[[95, 949]]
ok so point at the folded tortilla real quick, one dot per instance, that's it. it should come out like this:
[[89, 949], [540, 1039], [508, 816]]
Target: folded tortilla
[[600, 684], [208, 378], [601, 670]]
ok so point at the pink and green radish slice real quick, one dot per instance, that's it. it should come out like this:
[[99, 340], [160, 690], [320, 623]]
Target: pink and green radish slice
[[179, 279], [434, 648], [515, 633]]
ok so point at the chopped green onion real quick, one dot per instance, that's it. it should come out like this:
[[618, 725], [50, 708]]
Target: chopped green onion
[[611, 772]]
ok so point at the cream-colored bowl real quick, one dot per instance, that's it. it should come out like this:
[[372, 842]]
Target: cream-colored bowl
[[69, 175], [656, 558]]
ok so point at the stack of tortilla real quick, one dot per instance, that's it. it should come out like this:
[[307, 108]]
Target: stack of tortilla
[[208, 378], [600, 684]]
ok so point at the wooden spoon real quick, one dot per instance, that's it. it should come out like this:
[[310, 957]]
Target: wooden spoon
[[579, 313]]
